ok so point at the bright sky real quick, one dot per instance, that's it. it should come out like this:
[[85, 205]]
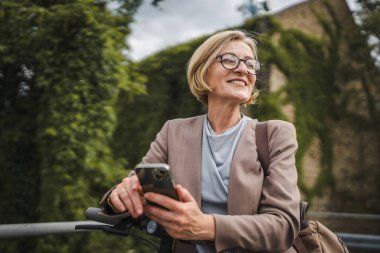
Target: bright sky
[[177, 21]]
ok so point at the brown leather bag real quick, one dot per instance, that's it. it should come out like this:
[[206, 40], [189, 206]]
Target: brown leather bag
[[318, 238], [313, 237]]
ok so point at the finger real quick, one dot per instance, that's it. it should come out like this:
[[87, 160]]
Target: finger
[[134, 196], [161, 200], [130, 198], [116, 202], [163, 217], [183, 194], [171, 222], [169, 212], [124, 197]]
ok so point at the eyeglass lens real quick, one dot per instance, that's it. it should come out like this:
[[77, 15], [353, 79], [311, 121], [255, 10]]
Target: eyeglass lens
[[230, 61]]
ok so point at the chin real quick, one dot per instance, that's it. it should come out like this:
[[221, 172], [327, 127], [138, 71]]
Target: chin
[[243, 99]]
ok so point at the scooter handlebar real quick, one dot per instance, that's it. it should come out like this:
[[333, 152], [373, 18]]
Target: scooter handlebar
[[100, 215]]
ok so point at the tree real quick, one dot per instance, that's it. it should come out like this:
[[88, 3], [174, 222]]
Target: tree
[[369, 18], [362, 47], [61, 72]]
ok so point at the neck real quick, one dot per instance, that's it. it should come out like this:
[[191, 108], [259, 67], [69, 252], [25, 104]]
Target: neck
[[223, 118]]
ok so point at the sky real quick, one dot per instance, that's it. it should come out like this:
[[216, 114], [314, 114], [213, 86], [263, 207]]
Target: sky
[[177, 21]]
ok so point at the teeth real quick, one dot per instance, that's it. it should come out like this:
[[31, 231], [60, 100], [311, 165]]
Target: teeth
[[237, 81]]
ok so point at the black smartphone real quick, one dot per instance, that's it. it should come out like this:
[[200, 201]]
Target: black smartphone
[[156, 177]]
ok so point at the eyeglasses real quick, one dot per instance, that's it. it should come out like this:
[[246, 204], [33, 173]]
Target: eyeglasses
[[231, 62]]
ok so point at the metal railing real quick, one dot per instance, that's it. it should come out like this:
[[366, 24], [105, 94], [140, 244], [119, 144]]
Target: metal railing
[[353, 241], [333, 215], [37, 229], [360, 241]]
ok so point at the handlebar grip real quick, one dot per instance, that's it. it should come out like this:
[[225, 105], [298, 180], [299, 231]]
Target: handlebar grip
[[100, 215]]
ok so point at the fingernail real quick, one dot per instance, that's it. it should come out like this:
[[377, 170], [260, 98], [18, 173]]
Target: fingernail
[[139, 211]]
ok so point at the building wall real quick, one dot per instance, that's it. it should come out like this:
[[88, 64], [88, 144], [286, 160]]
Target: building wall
[[355, 149]]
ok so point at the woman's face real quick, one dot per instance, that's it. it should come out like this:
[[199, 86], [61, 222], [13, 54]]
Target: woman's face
[[231, 86]]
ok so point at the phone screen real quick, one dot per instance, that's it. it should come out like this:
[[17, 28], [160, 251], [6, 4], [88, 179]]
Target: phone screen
[[156, 177]]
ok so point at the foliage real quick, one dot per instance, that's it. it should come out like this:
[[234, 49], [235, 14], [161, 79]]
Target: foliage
[[369, 15], [62, 70], [167, 97], [359, 107], [299, 57], [368, 68]]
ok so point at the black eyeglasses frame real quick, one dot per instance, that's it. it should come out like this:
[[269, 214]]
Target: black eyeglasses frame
[[220, 57]]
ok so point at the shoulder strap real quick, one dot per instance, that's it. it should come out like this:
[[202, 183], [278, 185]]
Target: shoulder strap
[[299, 245], [262, 145]]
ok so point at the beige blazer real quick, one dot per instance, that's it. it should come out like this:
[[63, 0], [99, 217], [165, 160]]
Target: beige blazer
[[263, 215]]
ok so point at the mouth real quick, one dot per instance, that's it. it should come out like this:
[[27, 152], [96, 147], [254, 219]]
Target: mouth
[[239, 82]]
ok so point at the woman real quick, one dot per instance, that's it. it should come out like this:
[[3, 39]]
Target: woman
[[226, 205]]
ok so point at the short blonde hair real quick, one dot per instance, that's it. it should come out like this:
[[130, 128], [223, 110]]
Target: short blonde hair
[[205, 55]]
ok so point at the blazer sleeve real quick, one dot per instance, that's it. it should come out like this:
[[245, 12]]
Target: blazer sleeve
[[276, 224], [158, 152]]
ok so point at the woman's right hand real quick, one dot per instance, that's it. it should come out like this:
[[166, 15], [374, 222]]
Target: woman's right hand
[[127, 196]]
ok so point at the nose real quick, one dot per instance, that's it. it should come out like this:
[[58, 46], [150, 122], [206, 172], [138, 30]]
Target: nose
[[242, 68]]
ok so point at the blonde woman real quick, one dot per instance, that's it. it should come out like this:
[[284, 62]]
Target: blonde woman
[[227, 204]]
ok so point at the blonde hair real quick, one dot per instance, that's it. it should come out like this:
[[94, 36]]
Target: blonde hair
[[205, 55]]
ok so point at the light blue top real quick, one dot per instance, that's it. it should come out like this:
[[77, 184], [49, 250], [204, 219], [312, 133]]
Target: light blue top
[[217, 153]]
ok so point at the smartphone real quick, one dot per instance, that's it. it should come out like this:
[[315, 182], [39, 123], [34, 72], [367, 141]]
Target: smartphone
[[156, 177]]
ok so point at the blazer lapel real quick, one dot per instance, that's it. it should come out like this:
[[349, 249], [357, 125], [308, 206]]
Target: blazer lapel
[[191, 149], [245, 175]]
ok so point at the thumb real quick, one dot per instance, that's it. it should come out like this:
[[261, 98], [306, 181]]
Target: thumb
[[183, 194]]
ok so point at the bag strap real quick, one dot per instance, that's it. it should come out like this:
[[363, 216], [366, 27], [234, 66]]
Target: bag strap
[[262, 145], [303, 209], [299, 246]]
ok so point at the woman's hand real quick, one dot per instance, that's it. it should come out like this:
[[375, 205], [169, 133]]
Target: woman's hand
[[127, 196], [182, 220]]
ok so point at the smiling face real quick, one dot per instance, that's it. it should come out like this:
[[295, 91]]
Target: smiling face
[[231, 86]]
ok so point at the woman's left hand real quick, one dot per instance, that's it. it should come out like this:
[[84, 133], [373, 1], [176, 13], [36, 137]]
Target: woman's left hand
[[182, 220]]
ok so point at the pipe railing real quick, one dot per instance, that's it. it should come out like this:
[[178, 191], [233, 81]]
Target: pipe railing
[[360, 216], [353, 241], [37, 229]]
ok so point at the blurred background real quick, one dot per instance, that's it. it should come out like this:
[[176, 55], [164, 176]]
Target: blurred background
[[86, 85]]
